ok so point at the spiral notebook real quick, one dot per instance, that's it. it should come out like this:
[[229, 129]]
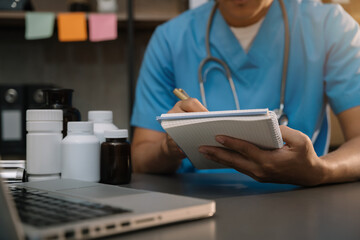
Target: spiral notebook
[[192, 130]]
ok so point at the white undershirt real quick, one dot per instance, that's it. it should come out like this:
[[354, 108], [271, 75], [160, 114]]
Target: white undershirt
[[246, 35]]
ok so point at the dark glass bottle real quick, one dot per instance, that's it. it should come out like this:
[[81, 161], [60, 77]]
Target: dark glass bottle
[[115, 163], [56, 98]]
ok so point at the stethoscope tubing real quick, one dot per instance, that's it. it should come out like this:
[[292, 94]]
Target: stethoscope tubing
[[228, 76], [286, 56]]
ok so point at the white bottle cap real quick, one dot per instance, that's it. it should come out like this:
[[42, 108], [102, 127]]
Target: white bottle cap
[[44, 120], [100, 116], [121, 133], [80, 127], [44, 115]]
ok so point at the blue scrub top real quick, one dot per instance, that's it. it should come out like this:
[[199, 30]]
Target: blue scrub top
[[324, 66]]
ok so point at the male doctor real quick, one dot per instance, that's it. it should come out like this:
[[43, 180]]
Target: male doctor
[[249, 36]]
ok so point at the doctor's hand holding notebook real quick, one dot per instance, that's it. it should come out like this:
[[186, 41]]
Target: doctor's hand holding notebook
[[295, 162]]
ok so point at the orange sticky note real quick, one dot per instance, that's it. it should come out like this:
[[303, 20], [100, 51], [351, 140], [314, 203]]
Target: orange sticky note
[[72, 27]]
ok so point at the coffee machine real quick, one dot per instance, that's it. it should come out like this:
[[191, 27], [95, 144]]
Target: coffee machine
[[14, 101]]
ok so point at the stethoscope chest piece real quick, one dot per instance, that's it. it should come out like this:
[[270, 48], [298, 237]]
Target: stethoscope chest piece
[[283, 120], [281, 115]]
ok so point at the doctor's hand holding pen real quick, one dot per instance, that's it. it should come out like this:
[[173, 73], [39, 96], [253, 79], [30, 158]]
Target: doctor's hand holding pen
[[147, 142], [186, 104]]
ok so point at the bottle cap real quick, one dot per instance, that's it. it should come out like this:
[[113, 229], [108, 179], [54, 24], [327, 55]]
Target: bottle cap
[[80, 127], [121, 133], [44, 115], [100, 116]]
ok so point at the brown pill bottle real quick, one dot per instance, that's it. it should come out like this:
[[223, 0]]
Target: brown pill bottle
[[115, 162]]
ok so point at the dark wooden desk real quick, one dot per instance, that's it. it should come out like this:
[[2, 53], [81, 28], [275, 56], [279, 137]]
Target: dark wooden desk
[[247, 209]]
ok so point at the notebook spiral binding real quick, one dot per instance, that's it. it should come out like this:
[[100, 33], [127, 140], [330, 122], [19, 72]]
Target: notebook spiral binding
[[275, 130]]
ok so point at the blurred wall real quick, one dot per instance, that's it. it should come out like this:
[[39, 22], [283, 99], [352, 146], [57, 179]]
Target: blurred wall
[[96, 71]]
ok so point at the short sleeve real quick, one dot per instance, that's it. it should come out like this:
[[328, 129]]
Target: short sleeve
[[342, 69], [155, 83]]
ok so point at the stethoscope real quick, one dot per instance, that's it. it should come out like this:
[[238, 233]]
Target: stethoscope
[[281, 115]]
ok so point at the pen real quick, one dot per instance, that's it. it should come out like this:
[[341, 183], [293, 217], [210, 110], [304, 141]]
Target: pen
[[181, 94]]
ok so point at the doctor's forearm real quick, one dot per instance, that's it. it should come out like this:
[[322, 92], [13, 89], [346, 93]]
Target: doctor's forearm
[[150, 157], [343, 165]]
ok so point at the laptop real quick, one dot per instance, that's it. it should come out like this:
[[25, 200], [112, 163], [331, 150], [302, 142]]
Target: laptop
[[72, 209]]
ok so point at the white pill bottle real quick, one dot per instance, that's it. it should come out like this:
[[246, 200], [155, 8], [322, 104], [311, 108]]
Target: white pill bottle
[[103, 121], [43, 144], [81, 153]]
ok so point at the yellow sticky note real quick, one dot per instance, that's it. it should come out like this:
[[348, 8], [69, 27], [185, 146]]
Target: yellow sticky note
[[72, 27]]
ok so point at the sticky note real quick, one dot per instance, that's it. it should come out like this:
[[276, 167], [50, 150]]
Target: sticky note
[[72, 27], [102, 27], [39, 25]]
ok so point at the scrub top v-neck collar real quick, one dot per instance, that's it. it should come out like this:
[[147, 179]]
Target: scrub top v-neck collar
[[224, 43]]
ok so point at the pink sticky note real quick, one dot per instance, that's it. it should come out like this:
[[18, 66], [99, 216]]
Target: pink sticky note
[[102, 27]]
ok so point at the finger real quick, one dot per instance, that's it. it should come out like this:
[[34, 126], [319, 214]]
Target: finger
[[188, 105], [177, 108], [192, 105], [245, 148], [228, 158], [293, 137]]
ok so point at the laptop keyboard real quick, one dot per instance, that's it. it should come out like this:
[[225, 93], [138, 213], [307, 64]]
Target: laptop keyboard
[[41, 209]]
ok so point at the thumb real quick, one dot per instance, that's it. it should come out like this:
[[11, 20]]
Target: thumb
[[292, 137]]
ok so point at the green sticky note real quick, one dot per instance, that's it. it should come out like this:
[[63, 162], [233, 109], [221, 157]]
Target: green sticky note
[[39, 25]]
